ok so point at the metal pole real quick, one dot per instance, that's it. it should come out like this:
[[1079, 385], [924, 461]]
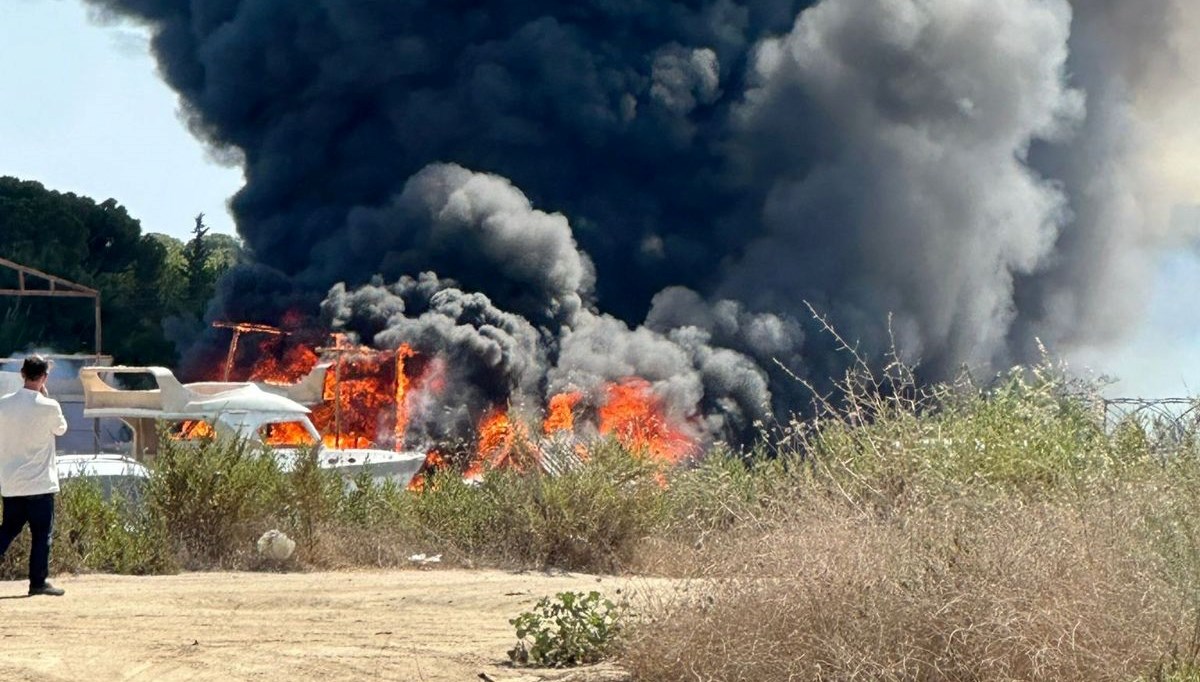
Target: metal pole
[[337, 397], [99, 337], [233, 344], [398, 429]]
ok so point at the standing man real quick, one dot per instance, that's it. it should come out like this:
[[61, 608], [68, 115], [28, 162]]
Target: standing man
[[29, 421]]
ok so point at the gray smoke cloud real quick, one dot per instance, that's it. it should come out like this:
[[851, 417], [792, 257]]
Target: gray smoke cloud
[[654, 187], [1130, 59], [717, 393], [775, 342], [489, 357], [613, 114], [920, 202], [475, 224], [684, 79], [492, 356]]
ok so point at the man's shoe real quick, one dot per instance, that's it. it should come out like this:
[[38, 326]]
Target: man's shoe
[[48, 590]]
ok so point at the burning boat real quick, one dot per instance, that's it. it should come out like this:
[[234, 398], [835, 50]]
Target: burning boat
[[230, 410], [398, 399]]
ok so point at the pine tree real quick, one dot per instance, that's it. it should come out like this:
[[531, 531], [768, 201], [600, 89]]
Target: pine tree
[[198, 271]]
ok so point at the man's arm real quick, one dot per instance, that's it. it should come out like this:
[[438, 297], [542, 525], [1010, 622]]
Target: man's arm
[[61, 422]]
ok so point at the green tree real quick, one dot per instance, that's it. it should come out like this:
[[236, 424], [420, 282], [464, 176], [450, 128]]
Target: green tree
[[225, 252], [173, 284], [198, 274], [143, 278]]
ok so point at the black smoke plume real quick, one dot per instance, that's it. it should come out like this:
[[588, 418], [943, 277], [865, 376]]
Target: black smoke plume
[[653, 187]]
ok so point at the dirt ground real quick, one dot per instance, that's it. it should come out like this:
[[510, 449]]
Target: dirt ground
[[431, 625]]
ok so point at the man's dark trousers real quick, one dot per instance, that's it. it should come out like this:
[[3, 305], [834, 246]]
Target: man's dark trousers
[[38, 512]]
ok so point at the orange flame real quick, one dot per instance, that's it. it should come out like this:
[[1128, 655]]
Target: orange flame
[[493, 444], [434, 462], [287, 434], [295, 363], [401, 407], [634, 415], [193, 430], [372, 396], [500, 443], [561, 415], [346, 441], [366, 397], [367, 393], [495, 435]]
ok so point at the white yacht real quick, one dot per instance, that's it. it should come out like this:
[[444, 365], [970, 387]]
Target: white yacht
[[230, 410]]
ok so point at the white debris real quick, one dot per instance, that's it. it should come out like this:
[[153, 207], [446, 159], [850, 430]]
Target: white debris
[[423, 559], [275, 545]]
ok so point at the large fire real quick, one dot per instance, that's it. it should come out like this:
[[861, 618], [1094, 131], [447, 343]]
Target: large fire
[[296, 362], [369, 398], [496, 439], [365, 396], [634, 415], [287, 434], [560, 416], [400, 398]]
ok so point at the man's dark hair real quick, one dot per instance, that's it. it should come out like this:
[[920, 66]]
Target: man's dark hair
[[35, 367]]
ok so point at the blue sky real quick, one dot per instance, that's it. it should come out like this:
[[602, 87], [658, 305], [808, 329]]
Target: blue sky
[[1161, 356], [83, 110]]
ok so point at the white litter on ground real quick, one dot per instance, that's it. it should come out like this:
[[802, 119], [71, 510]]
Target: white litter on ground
[[275, 545]]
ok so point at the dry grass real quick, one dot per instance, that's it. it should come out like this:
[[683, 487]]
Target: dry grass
[[991, 537], [344, 546], [1002, 591], [950, 532]]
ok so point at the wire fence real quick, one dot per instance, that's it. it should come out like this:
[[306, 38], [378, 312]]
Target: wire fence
[[1170, 424]]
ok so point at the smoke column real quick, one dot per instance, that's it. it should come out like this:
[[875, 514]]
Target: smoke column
[[563, 194]]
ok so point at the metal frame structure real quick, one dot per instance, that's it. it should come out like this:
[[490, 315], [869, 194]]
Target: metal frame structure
[[58, 288], [240, 328]]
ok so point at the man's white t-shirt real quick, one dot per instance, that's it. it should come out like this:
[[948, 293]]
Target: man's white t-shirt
[[29, 421]]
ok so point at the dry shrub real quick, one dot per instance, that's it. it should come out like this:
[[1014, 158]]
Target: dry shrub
[[97, 532], [590, 518], [1003, 590], [345, 546], [948, 532], [214, 499]]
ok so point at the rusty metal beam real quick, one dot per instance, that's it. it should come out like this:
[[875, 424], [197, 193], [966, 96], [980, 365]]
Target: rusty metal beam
[[59, 288], [240, 328], [23, 270], [98, 334], [48, 293]]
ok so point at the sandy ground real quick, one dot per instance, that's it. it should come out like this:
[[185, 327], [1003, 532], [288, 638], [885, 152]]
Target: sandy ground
[[433, 625]]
